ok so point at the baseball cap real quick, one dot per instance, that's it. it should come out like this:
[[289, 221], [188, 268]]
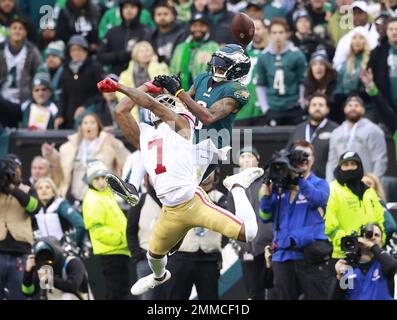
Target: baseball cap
[[199, 17], [362, 5], [349, 156]]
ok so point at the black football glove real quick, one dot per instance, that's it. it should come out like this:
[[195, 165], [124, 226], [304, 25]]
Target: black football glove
[[171, 83], [157, 81]]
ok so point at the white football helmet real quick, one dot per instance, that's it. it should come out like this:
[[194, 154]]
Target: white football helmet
[[172, 103]]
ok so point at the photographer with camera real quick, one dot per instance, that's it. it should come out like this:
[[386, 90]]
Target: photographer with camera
[[295, 200], [351, 203], [53, 274], [18, 203], [368, 272]]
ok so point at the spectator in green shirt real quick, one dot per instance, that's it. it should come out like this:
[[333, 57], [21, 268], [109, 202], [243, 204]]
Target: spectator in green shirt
[[190, 58], [281, 71]]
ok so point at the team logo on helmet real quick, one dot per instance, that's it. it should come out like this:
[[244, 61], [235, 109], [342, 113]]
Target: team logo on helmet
[[233, 60]]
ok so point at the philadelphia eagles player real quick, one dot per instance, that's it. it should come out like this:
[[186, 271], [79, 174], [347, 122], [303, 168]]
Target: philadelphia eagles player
[[218, 96]]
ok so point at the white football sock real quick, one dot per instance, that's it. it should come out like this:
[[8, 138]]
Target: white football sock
[[245, 212], [157, 265]]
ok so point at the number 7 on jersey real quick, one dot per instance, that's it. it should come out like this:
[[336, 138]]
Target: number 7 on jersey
[[159, 144]]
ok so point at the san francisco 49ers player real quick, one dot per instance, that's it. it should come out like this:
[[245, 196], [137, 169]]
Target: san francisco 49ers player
[[174, 164]]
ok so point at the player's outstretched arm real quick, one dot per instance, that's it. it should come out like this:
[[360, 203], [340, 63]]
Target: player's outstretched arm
[[219, 110], [177, 122], [122, 112], [126, 121]]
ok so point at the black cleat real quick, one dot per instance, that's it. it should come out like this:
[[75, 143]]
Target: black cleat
[[123, 189]]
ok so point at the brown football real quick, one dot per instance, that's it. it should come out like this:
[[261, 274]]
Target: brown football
[[243, 29]]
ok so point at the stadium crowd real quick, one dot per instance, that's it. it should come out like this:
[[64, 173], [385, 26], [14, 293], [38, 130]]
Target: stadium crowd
[[328, 68]]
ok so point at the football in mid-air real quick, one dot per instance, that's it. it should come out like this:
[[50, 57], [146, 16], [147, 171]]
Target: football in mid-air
[[243, 29]]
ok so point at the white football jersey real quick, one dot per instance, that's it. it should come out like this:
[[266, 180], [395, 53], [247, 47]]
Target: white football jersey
[[175, 165], [169, 160]]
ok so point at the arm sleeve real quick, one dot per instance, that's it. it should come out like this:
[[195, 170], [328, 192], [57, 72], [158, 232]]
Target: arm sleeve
[[317, 195], [387, 262], [75, 275], [378, 152], [75, 220], [262, 98], [29, 200]]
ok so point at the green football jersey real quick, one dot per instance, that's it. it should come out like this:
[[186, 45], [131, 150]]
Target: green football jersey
[[207, 92]]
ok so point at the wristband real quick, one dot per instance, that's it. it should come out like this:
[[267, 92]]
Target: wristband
[[179, 92]]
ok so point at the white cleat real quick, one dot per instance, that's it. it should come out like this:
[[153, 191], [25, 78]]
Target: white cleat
[[147, 283], [243, 178]]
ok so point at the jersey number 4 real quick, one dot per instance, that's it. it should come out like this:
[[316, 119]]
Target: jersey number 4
[[159, 144]]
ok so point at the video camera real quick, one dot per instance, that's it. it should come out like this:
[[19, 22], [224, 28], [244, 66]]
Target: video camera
[[7, 174], [283, 166], [351, 246]]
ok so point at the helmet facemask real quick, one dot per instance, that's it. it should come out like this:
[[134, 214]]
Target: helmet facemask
[[221, 63], [171, 102], [232, 60]]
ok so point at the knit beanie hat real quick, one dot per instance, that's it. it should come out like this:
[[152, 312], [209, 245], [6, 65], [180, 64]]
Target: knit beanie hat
[[56, 48], [95, 169], [42, 78]]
